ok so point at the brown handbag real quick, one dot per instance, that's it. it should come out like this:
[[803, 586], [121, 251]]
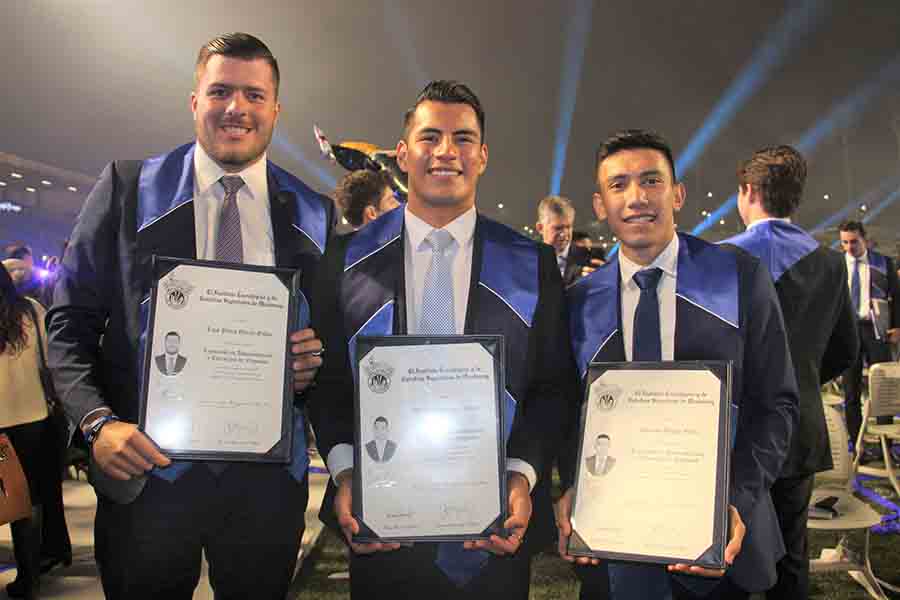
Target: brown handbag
[[15, 500]]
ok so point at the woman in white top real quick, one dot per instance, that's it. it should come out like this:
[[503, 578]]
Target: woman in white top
[[23, 417]]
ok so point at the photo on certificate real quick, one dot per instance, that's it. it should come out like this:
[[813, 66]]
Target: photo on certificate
[[651, 483], [429, 453], [217, 382]]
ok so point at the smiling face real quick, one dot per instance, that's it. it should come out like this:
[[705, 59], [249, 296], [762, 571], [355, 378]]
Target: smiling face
[[235, 108], [381, 430], [443, 156], [637, 195]]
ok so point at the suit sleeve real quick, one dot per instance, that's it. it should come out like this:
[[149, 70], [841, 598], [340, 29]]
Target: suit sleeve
[[81, 303], [843, 345], [543, 418], [769, 405], [330, 403], [893, 292]]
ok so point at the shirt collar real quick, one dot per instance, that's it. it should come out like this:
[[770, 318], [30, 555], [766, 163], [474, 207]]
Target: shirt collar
[[862, 259], [462, 228], [767, 219], [207, 173], [667, 261]]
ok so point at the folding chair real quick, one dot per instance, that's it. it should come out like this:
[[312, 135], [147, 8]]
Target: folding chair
[[852, 513], [883, 401]]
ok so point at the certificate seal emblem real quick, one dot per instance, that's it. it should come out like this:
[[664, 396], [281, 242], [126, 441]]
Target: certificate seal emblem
[[606, 397], [378, 376], [177, 292]]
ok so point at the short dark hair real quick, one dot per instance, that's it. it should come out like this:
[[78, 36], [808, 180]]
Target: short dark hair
[[175, 333], [629, 139], [359, 189], [780, 174], [18, 251], [580, 235], [602, 436], [381, 420], [854, 226], [237, 45], [450, 92]]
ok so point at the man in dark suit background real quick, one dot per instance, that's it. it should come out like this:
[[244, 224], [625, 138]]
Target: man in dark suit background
[[381, 449], [872, 280], [671, 296], [171, 362], [383, 280], [219, 198], [821, 329]]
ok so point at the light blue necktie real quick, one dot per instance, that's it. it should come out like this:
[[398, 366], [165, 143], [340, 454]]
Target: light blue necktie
[[437, 315], [437, 318]]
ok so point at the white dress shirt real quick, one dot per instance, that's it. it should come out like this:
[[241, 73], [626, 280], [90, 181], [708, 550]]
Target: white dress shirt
[[253, 206], [417, 258], [665, 294], [562, 259], [863, 282], [760, 221]]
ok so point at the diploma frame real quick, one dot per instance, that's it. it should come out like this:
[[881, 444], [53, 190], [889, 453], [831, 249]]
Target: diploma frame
[[290, 278], [714, 556], [494, 344]]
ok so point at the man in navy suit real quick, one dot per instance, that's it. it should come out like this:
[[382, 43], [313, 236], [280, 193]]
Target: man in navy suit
[[872, 280], [702, 302], [821, 329], [375, 282], [218, 198]]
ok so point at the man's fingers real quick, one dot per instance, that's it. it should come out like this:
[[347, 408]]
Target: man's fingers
[[306, 363], [302, 335], [695, 570], [143, 445], [134, 458], [313, 345], [115, 472]]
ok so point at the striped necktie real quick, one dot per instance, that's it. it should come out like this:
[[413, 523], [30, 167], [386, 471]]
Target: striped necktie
[[229, 242]]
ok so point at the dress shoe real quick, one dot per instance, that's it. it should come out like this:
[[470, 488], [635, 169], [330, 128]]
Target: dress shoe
[[18, 589], [48, 563]]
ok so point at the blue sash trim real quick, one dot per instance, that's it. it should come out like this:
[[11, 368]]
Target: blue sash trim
[[303, 312], [778, 245], [311, 218], [708, 278], [380, 323], [509, 414], [879, 263], [166, 182], [594, 313], [509, 268], [373, 237]]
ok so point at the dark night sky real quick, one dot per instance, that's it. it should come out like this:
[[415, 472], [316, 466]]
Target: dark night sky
[[90, 81]]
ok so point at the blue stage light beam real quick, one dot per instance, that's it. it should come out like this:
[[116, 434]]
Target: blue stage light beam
[[844, 113], [841, 115], [315, 169], [872, 213], [577, 33], [800, 20], [870, 197]]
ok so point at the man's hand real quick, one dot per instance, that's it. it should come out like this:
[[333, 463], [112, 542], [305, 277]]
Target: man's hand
[[122, 451], [738, 531], [307, 350], [596, 263], [343, 510], [564, 525], [893, 335], [517, 523]]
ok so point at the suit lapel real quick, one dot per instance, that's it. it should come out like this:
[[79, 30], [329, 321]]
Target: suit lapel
[[595, 317], [165, 210]]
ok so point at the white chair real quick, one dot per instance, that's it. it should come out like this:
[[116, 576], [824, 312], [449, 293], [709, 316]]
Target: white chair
[[883, 401], [852, 513]]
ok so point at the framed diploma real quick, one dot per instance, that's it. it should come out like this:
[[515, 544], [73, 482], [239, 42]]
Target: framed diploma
[[430, 459], [652, 476], [217, 381]]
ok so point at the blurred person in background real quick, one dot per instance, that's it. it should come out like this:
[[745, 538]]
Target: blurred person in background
[[365, 195], [23, 417]]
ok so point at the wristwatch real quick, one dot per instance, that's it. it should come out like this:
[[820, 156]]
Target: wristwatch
[[94, 429]]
